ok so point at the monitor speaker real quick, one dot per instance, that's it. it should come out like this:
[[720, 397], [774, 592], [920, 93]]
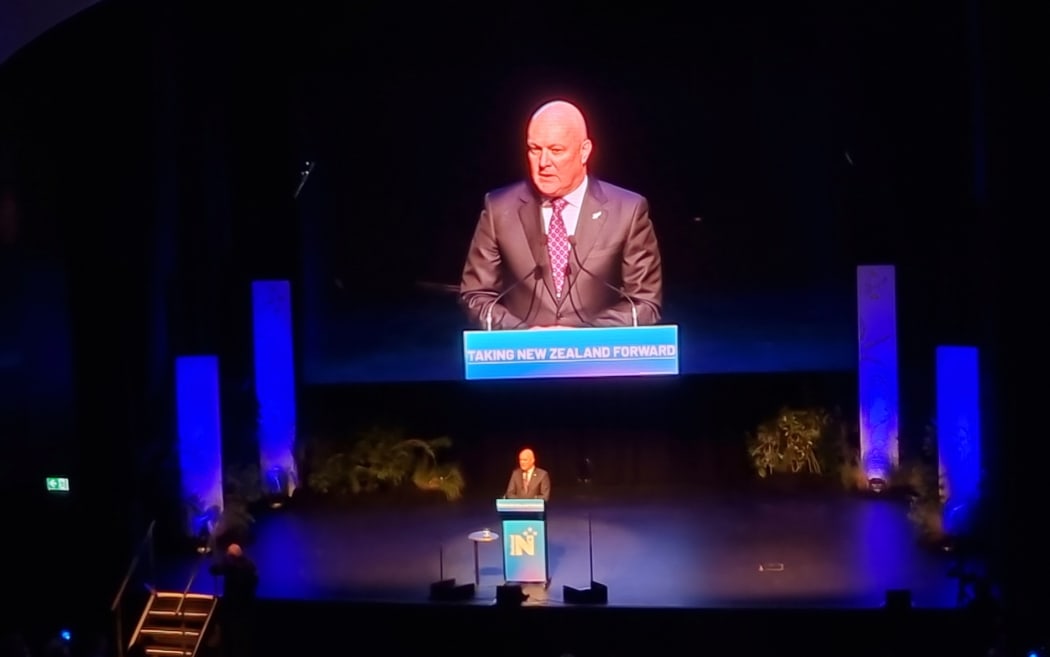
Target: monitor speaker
[[447, 590], [597, 594], [510, 595]]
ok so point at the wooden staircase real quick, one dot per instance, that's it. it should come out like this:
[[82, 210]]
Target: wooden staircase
[[174, 624]]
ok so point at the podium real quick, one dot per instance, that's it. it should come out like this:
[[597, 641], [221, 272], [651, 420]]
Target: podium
[[524, 540], [577, 352]]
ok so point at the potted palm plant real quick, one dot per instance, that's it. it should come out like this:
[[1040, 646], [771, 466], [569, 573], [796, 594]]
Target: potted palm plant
[[786, 450]]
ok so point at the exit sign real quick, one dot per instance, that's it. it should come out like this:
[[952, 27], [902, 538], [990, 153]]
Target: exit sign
[[58, 484]]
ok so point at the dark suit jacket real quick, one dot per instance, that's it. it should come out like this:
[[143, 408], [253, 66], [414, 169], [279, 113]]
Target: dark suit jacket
[[242, 579], [615, 243], [539, 485]]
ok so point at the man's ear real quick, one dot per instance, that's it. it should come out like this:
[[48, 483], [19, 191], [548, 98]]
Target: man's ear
[[585, 151]]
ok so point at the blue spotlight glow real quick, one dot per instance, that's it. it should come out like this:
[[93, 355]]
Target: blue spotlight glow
[[275, 383], [877, 372], [200, 439], [959, 433]]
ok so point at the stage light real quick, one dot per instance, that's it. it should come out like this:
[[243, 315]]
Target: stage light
[[278, 486], [66, 635]]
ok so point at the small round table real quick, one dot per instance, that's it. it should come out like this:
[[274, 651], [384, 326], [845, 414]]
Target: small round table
[[483, 536]]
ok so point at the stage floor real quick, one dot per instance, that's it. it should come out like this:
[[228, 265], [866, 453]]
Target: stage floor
[[738, 550]]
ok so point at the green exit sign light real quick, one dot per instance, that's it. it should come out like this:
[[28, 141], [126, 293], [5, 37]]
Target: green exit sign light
[[58, 484]]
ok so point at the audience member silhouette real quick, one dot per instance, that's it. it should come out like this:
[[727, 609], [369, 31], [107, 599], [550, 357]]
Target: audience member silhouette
[[237, 604]]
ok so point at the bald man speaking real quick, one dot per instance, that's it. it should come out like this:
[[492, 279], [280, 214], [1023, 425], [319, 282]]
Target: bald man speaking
[[528, 482], [562, 249]]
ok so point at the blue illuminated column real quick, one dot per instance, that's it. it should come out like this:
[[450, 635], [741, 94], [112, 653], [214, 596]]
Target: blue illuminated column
[[877, 370], [958, 432], [275, 383], [200, 439]]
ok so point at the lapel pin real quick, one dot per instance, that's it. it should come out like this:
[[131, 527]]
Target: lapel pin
[[596, 214]]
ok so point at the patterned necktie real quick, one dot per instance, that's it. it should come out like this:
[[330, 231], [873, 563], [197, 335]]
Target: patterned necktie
[[558, 245]]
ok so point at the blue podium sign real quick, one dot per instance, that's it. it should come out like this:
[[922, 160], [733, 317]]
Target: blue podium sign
[[524, 540], [571, 352]]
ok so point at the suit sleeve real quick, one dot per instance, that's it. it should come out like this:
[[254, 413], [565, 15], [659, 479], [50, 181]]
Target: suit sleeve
[[482, 278], [545, 487], [642, 274], [510, 494]]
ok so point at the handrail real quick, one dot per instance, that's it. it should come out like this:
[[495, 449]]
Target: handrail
[[189, 584], [179, 613], [146, 540]]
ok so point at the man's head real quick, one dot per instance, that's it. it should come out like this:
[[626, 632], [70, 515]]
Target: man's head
[[526, 459], [558, 148]]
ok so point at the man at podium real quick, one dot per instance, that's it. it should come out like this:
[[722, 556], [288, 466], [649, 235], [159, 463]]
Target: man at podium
[[562, 249], [527, 481]]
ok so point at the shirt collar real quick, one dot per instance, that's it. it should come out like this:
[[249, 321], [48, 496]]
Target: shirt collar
[[575, 197]]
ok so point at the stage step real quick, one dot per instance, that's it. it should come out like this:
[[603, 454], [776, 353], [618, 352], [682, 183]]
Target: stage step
[[174, 623]]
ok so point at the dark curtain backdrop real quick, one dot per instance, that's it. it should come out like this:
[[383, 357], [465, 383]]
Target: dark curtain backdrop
[[139, 199], [77, 111]]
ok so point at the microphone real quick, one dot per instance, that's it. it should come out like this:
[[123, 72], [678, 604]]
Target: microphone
[[535, 273], [576, 256]]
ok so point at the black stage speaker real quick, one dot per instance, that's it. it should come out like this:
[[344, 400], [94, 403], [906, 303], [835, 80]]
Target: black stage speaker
[[510, 595], [446, 590], [597, 594]]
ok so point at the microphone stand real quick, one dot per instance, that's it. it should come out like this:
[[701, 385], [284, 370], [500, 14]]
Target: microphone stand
[[579, 263], [571, 288], [596, 592], [488, 315], [535, 273], [590, 545]]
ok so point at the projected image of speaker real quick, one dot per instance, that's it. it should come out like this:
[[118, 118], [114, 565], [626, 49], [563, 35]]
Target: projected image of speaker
[[597, 593]]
